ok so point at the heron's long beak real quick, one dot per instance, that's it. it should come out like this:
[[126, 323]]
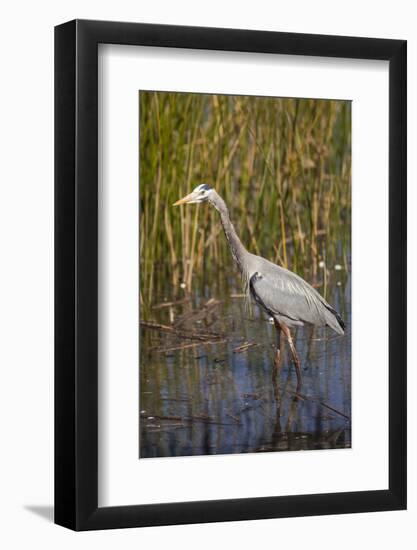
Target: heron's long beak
[[184, 200]]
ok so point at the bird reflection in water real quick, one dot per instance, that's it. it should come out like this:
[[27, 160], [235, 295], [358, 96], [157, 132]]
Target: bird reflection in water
[[213, 399], [195, 402]]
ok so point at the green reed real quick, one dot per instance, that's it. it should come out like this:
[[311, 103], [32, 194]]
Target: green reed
[[282, 166]]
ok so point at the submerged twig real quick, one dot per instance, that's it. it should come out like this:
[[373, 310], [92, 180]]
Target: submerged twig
[[160, 417], [244, 347], [187, 346], [199, 314], [323, 404], [182, 333], [170, 304]]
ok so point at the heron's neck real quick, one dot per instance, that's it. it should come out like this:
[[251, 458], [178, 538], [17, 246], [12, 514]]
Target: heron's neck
[[236, 247]]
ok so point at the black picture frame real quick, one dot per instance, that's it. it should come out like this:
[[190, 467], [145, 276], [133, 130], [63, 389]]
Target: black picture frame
[[76, 272]]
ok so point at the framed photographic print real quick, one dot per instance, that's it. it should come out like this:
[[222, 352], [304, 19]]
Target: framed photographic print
[[230, 275]]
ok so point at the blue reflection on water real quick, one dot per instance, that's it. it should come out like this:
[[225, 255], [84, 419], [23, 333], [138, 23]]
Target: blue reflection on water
[[216, 399]]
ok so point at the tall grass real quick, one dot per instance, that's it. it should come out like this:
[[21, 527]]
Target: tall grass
[[281, 165]]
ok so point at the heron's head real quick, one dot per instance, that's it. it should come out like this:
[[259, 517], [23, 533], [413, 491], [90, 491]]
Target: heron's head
[[201, 193]]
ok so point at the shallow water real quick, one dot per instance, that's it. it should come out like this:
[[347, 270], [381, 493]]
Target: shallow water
[[222, 396]]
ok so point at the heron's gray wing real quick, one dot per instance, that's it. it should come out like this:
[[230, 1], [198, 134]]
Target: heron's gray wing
[[285, 294]]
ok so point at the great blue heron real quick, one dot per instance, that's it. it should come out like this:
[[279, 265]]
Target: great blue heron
[[284, 295]]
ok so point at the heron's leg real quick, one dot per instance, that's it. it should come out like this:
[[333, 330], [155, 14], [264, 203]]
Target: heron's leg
[[277, 359], [276, 371], [294, 354]]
